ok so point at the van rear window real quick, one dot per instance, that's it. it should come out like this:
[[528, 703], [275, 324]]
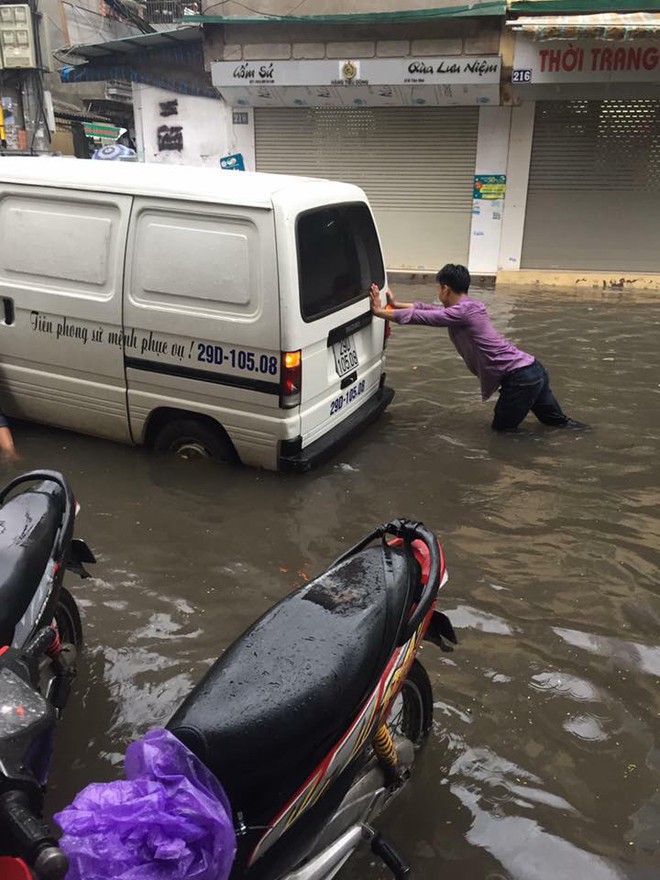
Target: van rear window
[[338, 258]]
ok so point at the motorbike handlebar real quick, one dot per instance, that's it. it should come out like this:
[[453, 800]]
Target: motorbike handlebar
[[53, 477], [33, 840]]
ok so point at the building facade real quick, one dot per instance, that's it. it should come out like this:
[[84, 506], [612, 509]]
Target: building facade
[[34, 38], [523, 140], [511, 139], [584, 162], [400, 103]]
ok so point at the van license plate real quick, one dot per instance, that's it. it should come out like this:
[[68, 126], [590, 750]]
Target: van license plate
[[346, 359]]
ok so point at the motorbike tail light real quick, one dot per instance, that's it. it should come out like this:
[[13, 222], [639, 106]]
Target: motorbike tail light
[[14, 869], [291, 379]]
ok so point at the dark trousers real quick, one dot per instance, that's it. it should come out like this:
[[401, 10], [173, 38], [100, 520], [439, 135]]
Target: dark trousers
[[524, 390]]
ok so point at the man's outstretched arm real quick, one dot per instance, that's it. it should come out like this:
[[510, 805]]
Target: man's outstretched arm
[[391, 301], [377, 309]]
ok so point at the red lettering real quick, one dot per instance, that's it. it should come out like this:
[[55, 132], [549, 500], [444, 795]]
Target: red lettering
[[570, 60], [550, 60], [620, 60], [634, 58], [650, 58], [594, 58], [606, 60]]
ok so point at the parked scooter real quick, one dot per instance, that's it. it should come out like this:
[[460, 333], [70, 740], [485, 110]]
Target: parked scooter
[[40, 635], [311, 720]]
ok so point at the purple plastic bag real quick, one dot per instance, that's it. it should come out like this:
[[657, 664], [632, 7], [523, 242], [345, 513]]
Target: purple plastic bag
[[169, 820]]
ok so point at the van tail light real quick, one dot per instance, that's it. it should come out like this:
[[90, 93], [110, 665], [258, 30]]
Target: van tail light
[[291, 381]]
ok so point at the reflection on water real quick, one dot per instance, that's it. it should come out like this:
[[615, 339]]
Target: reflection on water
[[544, 761]]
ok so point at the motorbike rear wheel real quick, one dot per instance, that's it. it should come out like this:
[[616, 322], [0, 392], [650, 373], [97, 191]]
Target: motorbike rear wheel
[[411, 715], [67, 619]]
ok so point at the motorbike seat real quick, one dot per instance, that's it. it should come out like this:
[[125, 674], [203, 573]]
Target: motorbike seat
[[28, 525], [268, 712]]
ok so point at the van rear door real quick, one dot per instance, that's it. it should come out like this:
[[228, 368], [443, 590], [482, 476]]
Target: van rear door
[[338, 257]]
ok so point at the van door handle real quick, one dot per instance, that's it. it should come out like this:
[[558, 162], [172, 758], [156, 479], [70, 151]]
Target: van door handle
[[8, 305]]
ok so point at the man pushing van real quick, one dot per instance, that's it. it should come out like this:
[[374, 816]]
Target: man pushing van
[[523, 381]]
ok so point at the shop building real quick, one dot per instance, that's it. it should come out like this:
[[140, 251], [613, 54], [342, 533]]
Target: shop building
[[399, 103], [525, 145], [584, 156]]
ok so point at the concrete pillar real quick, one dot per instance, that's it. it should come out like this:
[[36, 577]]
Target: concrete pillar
[[492, 154], [515, 205], [241, 137], [138, 119]]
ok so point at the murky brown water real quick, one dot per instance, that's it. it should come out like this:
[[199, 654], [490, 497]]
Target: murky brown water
[[544, 763]]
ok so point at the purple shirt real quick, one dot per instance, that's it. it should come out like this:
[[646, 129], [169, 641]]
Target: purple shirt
[[485, 351]]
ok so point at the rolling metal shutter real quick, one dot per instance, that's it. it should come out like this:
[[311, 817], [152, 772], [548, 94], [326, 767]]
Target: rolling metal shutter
[[416, 166], [594, 187]]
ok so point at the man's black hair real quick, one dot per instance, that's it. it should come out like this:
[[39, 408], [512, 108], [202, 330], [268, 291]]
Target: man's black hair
[[456, 277]]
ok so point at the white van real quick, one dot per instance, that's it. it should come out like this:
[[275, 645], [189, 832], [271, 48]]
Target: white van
[[197, 311]]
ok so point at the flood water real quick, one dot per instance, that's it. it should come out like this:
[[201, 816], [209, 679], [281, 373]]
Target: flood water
[[544, 760]]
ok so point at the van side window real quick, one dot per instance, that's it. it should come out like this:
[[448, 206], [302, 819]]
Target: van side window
[[205, 263], [338, 258], [65, 244]]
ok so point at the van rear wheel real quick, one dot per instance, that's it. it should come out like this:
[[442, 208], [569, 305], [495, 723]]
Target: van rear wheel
[[190, 439]]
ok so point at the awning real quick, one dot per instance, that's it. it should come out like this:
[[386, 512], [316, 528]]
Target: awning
[[186, 84], [579, 7], [102, 131], [604, 26], [441, 9], [140, 44], [72, 113], [171, 60]]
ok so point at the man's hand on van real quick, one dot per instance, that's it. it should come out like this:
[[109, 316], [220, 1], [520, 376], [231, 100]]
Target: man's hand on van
[[375, 292], [374, 296], [376, 307], [392, 303]]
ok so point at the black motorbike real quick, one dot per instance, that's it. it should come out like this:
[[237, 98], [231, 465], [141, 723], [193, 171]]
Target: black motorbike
[[40, 635], [311, 720]]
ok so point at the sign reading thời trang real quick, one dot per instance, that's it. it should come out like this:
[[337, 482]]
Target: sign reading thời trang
[[586, 61]]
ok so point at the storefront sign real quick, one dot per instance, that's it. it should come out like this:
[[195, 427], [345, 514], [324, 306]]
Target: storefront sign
[[489, 186], [585, 61], [350, 73], [372, 82]]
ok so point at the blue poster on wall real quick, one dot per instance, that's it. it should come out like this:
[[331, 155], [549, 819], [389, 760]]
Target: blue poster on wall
[[489, 186], [233, 163]]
